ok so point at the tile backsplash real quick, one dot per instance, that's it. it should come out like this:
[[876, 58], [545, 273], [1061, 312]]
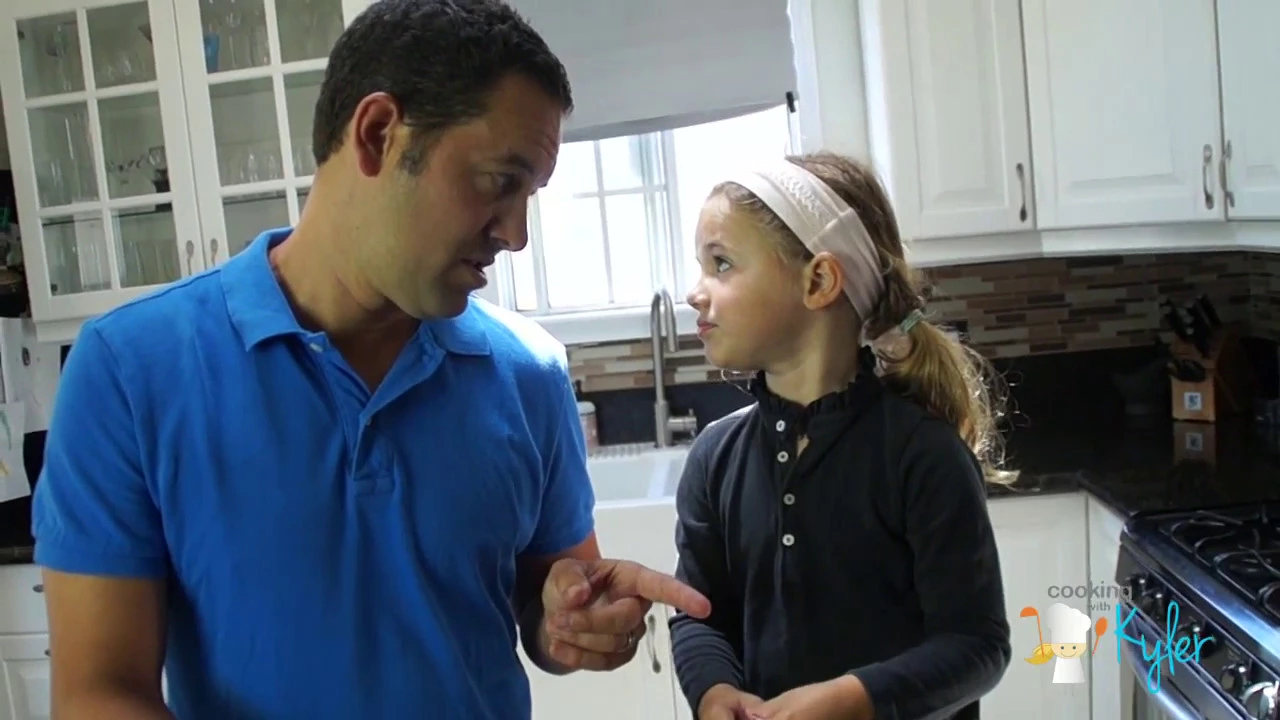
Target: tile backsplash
[[1018, 308]]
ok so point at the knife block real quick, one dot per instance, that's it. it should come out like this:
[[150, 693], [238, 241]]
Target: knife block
[[1227, 388], [1195, 441]]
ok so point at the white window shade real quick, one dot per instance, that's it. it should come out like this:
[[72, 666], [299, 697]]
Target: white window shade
[[639, 66]]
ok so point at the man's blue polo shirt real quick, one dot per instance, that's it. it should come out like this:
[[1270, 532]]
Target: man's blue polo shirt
[[330, 552]]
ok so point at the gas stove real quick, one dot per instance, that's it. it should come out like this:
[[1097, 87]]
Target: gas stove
[[1206, 585]]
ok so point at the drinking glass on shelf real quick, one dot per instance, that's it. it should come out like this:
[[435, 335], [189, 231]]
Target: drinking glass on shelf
[[51, 185], [59, 48]]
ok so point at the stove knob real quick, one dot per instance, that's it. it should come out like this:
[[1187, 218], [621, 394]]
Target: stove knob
[[1233, 678], [1137, 583], [1153, 601], [1260, 701], [1197, 640]]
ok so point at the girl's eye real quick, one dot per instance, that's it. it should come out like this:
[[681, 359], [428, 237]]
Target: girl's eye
[[720, 264]]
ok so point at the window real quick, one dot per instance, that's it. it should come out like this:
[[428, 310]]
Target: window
[[617, 219]]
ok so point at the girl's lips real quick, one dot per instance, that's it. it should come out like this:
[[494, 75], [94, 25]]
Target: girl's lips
[[704, 328]]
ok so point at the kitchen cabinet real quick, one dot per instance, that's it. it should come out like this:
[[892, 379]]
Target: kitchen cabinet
[[1043, 549], [645, 688], [947, 114], [24, 645], [1112, 695], [1007, 130], [24, 678], [1125, 123], [151, 139], [1250, 60]]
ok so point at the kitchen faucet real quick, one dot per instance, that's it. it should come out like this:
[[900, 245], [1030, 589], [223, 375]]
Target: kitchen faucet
[[662, 322]]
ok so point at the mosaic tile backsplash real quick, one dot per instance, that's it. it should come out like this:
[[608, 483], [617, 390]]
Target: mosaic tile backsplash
[[1028, 307]]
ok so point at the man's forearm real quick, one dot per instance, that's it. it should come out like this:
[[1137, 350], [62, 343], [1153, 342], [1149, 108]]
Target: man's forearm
[[533, 632]]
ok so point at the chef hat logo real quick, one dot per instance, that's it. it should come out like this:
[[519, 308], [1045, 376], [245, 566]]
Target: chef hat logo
[[1067, 625], [1063, 628]]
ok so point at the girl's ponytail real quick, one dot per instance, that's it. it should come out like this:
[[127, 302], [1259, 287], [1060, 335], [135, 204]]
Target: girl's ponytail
[[921, 361]]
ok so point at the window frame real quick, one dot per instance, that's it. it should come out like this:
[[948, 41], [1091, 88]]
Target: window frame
[[617, 323]]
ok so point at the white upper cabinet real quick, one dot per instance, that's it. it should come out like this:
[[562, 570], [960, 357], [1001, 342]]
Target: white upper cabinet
[[151, 139], [100, 151], [947, 114], [1001, 121], [251, 75], [1249, 54], [1125, 121]]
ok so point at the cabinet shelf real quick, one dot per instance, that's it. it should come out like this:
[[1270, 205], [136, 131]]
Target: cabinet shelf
[[162, 209]]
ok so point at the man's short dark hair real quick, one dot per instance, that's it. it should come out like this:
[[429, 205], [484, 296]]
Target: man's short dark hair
[[440, 59]]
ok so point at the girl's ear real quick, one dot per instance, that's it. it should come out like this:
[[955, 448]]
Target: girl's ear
[[823, 281]]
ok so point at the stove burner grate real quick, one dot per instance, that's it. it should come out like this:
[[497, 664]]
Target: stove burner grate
[[1242, 548]]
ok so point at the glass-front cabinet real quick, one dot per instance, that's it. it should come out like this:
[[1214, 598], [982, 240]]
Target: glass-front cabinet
[[152, 139]]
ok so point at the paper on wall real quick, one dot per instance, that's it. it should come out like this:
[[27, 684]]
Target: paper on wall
[[13, 470]]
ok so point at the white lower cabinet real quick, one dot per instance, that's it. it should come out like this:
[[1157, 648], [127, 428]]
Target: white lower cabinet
[[643, 689], [24, 677], [1043, 551], [1112, 693]]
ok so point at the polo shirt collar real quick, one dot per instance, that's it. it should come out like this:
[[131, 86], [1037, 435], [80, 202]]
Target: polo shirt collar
[[260, 311]]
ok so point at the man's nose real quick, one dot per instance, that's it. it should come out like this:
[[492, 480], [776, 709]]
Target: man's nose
[[512, 230]]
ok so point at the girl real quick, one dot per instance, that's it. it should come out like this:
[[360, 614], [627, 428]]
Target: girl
[[838, 525]]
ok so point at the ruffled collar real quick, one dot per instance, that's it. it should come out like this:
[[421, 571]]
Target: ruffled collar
[[838, 405]]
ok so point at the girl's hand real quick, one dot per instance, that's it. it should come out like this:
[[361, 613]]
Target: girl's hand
[[724, 702], [843, 698]]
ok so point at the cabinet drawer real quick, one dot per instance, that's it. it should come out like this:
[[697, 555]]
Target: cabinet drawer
[[22, 600]]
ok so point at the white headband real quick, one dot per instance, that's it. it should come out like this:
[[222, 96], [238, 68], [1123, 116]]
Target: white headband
[[824, 222]]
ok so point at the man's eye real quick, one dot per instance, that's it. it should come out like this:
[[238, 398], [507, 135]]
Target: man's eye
[[506, 183]]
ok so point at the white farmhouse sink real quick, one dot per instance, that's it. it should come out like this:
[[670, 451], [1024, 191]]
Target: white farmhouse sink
[[636, 473]]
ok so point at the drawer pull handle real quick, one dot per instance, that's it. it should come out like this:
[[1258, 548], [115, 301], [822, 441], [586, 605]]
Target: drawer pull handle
[[38, 588], [47, 654]]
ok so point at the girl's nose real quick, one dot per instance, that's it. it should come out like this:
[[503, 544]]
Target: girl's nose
[[696, 298]]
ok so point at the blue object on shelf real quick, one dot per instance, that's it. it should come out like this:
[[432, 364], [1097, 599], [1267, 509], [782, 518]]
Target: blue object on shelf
[[211, 43]]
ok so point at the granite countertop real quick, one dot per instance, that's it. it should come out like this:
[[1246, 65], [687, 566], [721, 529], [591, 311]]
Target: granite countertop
[[1132, 465], [1141, 465]]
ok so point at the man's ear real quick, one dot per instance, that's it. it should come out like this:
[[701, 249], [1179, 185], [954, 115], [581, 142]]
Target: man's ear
[[823, 281]]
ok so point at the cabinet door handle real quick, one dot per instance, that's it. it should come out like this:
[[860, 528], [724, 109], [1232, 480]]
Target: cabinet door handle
[[653, 650], [1223, 166], [47, 653], [1022, 183], [1206, 173], [213, 251], [38, 588], [191, 253]]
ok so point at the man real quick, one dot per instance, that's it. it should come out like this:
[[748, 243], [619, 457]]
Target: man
[[319, 481]]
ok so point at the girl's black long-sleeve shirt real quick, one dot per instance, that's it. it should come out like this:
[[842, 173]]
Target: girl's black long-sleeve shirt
[[869, 553]]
